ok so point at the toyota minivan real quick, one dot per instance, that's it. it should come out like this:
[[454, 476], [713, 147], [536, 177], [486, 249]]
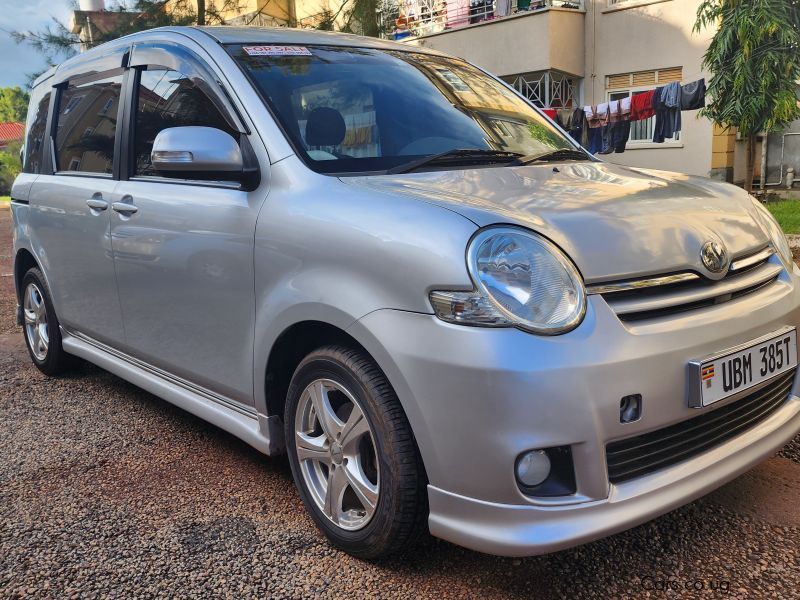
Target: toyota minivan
[[386, 263]]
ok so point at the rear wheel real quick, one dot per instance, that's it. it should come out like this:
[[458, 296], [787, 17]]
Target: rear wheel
[[40, 326], [352, 454]]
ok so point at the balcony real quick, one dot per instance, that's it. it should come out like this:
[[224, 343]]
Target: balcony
[[414, 18], [537, 46]]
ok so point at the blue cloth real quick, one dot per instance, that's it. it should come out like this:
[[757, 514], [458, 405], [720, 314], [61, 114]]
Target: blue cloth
[[667, 106], [595, 140]]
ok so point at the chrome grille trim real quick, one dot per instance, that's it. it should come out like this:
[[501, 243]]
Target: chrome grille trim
[[651, 297], [628, 285], [752, 260], [638, 284], [672, 298]]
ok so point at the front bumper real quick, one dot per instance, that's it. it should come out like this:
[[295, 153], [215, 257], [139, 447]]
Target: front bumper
[[516, 530], [477, 397]]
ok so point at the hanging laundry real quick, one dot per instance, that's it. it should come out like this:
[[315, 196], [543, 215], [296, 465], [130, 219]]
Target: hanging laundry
[[594, 140], [550, 112], [579, 129], [564, 118], [666, 103], [597, 118], [693, 95], [597, 115], [642, 106], [625, 107], [502, 8], [620, 135]]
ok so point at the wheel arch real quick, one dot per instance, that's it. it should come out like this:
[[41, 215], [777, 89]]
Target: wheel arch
[[298, 339], [293, 344], [24, 260]]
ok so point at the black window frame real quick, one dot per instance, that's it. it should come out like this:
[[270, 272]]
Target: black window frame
[[155, 54], [55, 106]]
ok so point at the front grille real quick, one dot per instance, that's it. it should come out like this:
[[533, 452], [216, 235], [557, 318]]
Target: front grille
[[643, 454], [664, 295]]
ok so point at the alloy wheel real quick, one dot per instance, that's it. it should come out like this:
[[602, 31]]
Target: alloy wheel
[[35, 312], [336, 453]]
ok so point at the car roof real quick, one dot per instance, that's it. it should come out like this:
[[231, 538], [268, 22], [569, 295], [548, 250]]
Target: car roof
[[241, 35], [286, 35]]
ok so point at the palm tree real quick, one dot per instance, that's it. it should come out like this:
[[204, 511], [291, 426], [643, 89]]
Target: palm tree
[[754, 59]]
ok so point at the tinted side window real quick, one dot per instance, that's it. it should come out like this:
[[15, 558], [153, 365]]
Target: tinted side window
[[37, 129], [87, 123], [169, 98]]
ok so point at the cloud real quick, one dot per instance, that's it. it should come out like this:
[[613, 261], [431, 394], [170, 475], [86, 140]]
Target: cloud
[[19, 61]]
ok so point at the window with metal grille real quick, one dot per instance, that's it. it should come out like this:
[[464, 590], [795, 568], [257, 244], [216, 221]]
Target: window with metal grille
[[546, 89], [623, 85]]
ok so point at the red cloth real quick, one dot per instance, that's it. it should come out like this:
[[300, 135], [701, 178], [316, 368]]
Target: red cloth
[[550, 112], [642, 106]]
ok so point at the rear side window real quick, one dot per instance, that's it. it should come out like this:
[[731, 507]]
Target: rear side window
[[168, 98], [86, 126], [36, 130]]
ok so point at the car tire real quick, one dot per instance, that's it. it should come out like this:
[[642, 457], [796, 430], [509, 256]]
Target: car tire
[[40, 326], [346, 381]]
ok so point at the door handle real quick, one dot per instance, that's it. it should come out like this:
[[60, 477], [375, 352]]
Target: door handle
[[124, 208], [97, 204]]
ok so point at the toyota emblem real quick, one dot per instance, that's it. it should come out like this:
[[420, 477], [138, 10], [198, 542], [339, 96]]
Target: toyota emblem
[[714, 257]]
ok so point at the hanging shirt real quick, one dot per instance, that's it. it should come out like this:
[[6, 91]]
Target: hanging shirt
[[667, 105], [502, 8], [597, 115], [642, 106], [579, 129], [625, 107], [693, 95]]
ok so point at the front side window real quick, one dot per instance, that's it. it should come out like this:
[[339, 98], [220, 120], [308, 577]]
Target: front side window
[[37, 127], [168, 98], [86, 126], [352, 110]]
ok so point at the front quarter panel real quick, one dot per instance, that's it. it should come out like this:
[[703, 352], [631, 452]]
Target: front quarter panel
[[325, 252]]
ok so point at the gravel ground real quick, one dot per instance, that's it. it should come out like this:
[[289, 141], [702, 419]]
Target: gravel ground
[[107, 491]]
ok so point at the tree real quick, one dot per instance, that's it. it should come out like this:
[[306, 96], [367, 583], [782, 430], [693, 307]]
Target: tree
[[57, 42], [754, 59], [10, 166], [362, 17], [13, 104]]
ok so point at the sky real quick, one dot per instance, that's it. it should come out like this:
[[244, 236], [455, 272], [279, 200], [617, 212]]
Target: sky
[[17, 61]]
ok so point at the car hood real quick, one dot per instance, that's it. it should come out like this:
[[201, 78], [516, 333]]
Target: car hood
[[614, 222]]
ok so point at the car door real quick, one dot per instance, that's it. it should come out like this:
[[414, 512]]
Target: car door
[[183, 250], [69, 201]]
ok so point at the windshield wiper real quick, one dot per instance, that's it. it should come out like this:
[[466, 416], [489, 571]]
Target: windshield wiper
[[552, 156], [458, 156]]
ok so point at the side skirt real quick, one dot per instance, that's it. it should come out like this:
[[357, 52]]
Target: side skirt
[[260, 431]]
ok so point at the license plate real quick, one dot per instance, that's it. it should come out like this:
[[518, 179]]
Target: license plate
[[717, 377]]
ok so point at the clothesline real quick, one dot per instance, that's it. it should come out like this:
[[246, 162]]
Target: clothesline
[[605, 128]]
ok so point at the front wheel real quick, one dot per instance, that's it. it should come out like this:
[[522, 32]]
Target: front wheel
[[353, 455]]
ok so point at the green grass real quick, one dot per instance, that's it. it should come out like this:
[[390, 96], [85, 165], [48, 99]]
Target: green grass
[[5, 199], [787, 212]]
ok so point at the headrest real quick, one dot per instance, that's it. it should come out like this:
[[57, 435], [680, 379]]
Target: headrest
[[325, 127]]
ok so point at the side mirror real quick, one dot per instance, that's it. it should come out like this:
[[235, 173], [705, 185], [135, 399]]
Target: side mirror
[[197, 153]]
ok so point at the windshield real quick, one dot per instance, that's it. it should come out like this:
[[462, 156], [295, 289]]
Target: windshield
[[355, 110]]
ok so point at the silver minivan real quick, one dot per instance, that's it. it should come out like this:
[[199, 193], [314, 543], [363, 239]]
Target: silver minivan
[[386, 263]]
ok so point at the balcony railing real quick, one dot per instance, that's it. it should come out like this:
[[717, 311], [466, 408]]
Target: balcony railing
[[406, 18]]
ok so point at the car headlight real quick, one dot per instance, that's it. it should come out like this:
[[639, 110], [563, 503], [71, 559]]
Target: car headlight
[[775, 233], [522, 280]]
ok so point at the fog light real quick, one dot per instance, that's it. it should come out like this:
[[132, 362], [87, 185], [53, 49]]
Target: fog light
[[533, 468], [630, 408]]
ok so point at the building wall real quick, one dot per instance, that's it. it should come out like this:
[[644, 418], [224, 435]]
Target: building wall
[[534, 41], [639, 36]]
